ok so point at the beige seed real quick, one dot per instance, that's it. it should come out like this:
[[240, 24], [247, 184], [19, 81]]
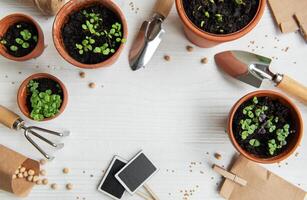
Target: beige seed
[[69, 186], [20, 175], [82, 74], [31, 172], [25, 174], [189, 48], [38, 182], [14, 176], [92, 85], [30, 178], [42, 161], [45, 181], [54, 186], [65, 170], [17, 171], [23, 169], [42, 172], [204, 60], [167, 58], [218, 156], [35, 178]]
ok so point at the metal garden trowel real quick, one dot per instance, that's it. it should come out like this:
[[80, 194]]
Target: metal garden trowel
[[252, 69]]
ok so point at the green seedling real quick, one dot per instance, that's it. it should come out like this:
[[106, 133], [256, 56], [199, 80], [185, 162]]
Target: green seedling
[[240, 2], [26, 34], [44, 104], [13, 48], [207, 14], [219, 17], [254, 142]]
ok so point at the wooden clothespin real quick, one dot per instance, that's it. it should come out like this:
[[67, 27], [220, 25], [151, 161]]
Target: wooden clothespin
[[229, 175]]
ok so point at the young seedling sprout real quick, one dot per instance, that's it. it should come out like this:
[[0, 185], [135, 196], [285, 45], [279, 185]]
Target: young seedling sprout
[[257, 120], [94, 27], [44, 104], [240, 2], [22, 41]]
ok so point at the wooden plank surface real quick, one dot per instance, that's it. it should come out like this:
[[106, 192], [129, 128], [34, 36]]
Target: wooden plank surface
[[175, 111]]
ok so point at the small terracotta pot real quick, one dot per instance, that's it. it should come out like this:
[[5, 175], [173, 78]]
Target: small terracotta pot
[[296, 115], [205, 39], [9, 20], [22, 94], [61, 19]]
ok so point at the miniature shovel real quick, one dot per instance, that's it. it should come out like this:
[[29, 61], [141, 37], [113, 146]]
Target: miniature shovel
[[150, 36], [252, 69]]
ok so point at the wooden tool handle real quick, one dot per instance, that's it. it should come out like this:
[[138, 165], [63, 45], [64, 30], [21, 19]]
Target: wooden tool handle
[[151, 192], [293, 88], [163, 7], [7, 117]]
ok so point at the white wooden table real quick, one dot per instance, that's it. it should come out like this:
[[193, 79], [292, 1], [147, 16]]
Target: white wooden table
[[175, 111]]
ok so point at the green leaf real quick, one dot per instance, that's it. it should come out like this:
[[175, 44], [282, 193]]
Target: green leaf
[[207, 14], [254, 142], [255, 100], [13, 48], [19, 41], [97, 50], [25, 45]]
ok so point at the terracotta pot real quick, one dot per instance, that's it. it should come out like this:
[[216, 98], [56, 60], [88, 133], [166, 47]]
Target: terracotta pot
[[296, 115], [9, 20], [205, 39], [22, 94], [61, 19]]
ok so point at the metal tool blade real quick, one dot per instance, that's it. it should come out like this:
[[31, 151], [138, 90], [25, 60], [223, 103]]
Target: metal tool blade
[[146, 42], [247, 67]]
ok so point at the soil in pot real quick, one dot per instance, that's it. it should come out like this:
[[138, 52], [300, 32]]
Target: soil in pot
[[263, 127], [44, 98], [221, 16], [20, 39], [93, 34]]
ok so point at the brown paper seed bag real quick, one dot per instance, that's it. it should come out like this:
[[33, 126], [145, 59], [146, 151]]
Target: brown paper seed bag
[[9, 163], [261, 184]]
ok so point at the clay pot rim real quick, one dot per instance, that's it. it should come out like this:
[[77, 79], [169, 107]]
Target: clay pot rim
[[23, 87], [223, 37], [40, 37], [61, 48], [287, 152]]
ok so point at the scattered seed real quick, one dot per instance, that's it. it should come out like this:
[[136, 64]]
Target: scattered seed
[[31, 172], [189, 48], [38, 182], [204, 60], [167, 58], [25, 174], [54, 186], [43, 172], [23, 169], [92, 85], [35, 178], [91, 175], [82, 74], [218, 156], [65, 170], [42, 161], [14, 176], [296, 154], [45, 181], [17, 171], [69, 186], [30, 178], [20, 175]]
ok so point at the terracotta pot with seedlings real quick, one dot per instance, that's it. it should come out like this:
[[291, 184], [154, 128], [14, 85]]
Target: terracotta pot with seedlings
[[265, 126], [210, 22], [21, 38], [90, 33], [42, 97]]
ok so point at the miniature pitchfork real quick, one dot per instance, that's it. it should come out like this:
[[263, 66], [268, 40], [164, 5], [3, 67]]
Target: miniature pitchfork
[[13, 121]]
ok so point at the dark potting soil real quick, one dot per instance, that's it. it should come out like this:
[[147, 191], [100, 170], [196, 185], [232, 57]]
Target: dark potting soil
[[276, 109], [220, 16], [13, 32], [73, 33], [43, 85]]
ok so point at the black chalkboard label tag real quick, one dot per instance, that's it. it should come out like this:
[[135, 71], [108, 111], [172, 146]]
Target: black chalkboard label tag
[[109, 185], [136, 172]]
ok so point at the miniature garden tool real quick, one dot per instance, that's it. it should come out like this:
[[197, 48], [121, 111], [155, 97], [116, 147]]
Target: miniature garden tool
[[149, 36], [252, 69], [13, 121]]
